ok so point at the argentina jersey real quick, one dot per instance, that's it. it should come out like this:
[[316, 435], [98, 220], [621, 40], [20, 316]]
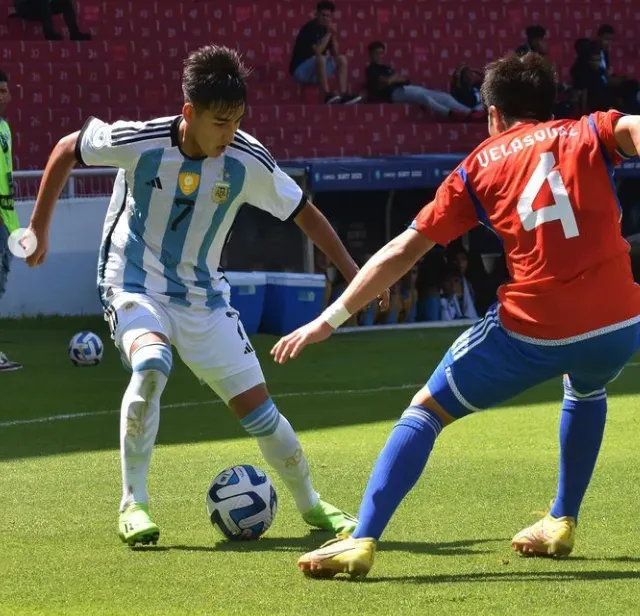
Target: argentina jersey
[[170, 214]]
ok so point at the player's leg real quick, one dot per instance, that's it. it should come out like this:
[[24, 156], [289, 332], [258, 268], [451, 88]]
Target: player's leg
[[5, 266], [141, 332], [596, 362], [483, 367], [222, 356]]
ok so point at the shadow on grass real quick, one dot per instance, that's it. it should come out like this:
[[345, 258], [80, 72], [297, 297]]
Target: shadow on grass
[[348, 381], [315, 539], [508, 576]]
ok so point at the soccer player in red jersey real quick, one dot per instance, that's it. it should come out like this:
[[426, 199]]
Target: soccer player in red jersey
[[571, 308]]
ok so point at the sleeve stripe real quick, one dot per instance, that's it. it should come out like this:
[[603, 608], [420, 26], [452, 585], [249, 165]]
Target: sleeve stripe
[[78, 148], [136, 137], [256, 146], [120, 130], [259, 157], [299, 207]]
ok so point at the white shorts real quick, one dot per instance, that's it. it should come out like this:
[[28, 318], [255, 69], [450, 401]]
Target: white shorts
[[212, 343]]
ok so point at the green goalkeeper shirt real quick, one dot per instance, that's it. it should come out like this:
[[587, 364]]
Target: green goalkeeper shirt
[[7, 206]]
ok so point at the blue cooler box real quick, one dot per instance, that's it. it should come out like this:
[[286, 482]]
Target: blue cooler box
[[247, 297], [291, 300]]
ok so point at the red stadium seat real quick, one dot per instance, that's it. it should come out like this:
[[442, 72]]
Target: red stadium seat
[[133, 67]]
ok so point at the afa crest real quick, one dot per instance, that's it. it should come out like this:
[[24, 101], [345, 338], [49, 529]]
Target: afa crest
[[188, 182], [220, 192]]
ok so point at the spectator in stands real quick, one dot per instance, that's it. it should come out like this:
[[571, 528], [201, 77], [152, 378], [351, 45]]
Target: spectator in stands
[[536, 42], [625, 91], [603, 42], [408, 296], [316, 56], [44, 10], [589, 78], [385, 85], [465, 86], [456, 299], [8, 217]]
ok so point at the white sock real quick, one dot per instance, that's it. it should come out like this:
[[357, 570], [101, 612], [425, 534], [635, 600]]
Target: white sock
[[282, 451], [140, 418]]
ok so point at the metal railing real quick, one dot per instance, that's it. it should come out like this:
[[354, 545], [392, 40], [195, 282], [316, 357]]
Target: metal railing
[[83, 183], [94, 182]]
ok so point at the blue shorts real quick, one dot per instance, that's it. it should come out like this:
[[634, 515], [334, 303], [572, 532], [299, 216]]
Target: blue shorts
[[308, 73], [488, 365]]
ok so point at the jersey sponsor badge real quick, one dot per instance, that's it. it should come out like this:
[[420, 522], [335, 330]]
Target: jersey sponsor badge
[[188, 182], [220, 192]]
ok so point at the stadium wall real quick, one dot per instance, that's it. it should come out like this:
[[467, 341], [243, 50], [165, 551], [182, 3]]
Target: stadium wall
[[66, 283]]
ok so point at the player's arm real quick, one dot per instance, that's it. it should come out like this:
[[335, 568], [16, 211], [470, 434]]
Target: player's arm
[[627, 134], [384, 269], [59, 166], [318, 229], [448, 216], [94, 145], [273, 191]]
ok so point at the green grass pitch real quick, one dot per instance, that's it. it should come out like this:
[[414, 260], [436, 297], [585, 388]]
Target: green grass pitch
[[447, 551]]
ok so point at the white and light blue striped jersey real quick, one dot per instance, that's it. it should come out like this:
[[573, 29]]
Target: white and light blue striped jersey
[[170, 215]]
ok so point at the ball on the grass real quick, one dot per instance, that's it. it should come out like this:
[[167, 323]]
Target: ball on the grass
[[242, 502], [85, 349]]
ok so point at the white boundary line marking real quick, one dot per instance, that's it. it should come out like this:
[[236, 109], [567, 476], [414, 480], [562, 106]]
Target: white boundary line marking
[[180, 405]]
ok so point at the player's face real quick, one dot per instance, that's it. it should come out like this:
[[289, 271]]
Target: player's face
[[5, 96], [213, 130]]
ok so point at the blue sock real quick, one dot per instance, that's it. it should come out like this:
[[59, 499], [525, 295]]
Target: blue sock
[[397, 469], [581, 429]]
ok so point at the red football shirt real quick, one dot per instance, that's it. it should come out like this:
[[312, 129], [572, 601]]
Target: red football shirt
[[546, 189]]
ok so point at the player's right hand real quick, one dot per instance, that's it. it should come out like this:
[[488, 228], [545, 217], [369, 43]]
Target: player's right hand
[[291, 346], [42, 246]]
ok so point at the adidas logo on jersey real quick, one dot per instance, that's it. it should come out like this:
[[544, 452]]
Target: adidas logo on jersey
[[248, 349], [155, 183]]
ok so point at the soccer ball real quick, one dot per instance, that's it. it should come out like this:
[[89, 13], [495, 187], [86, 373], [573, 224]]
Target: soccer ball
[[85, 349], [242, 502]]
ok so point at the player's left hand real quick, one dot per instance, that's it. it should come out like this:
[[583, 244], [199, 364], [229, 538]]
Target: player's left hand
[[291, 345], [384, 300]]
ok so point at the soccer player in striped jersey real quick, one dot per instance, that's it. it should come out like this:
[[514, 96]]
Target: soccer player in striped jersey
[[180, 183], [570, 310]]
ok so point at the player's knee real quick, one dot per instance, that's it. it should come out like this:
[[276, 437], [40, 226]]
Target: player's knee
[[152, 357], [424, 399], [577, 391], [341, 60]]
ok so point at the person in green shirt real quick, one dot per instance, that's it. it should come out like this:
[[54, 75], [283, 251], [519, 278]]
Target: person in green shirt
[[8, 218]]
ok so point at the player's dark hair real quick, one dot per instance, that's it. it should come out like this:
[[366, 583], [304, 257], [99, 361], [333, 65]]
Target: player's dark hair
[[214, 78], [535, 32], [3, 77], [520, 87], [606, 29], [325, 5], [375, 46]]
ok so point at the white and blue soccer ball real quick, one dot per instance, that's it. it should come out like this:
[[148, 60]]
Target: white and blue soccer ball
[[242, 502], [85, 349]]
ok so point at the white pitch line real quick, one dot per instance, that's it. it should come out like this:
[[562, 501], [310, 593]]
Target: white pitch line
[[180, 405]]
